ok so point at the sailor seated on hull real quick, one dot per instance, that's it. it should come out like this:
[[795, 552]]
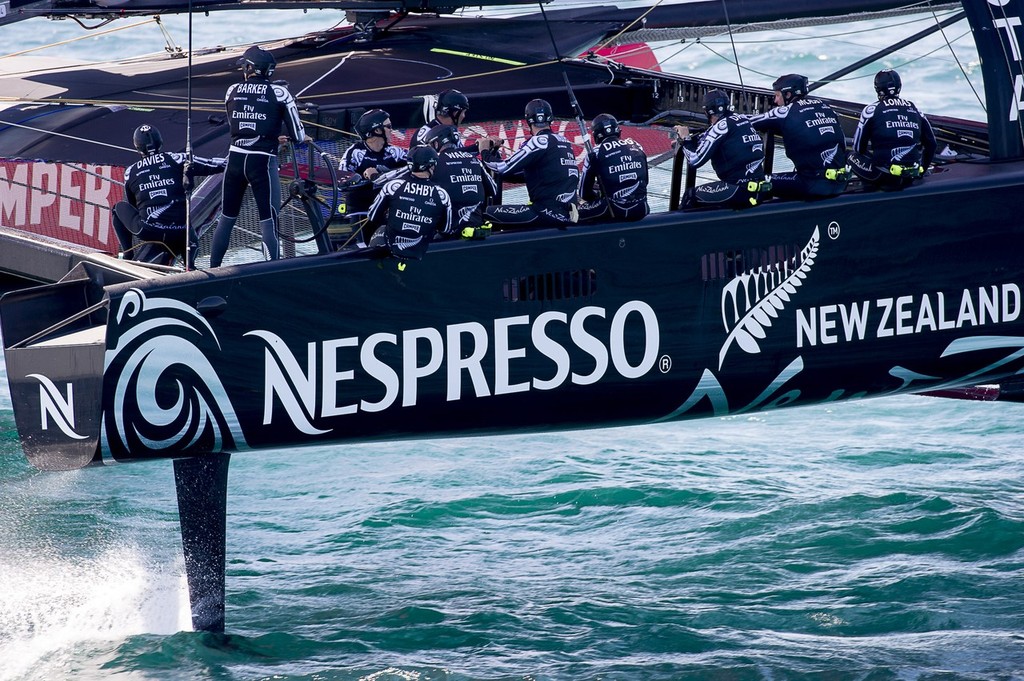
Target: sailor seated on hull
[[613, 182], [814, 141], [894, 143], [736, 153]]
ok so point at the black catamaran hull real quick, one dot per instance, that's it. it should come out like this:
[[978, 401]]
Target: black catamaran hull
[[676, 317], [682, 315]]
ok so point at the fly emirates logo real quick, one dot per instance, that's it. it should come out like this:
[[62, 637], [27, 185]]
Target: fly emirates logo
[[469, 360]]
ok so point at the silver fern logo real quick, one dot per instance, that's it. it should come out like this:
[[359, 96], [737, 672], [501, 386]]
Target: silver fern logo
[[752, 301], [166, 394]]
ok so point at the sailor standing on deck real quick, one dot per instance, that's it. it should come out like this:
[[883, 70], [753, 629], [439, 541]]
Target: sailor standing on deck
[[256, 109], [901, 140], [815, 142], [736, 153], [547, 164], [154, 207]]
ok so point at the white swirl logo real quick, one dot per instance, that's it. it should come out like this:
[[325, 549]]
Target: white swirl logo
[[167, 395]]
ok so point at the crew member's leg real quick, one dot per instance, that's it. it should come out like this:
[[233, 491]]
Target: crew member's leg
[[718, 194], [232, 193], [258, 170], [513, 217], [126, 223], [593, 211]]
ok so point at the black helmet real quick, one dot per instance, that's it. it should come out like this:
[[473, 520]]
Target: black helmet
[[716, 103], [888, 83], [441, 136], [257, 60], [372, 124], [792, 86], [604, 126], [422, 158], [451, 103], [538, 112], [147, 139]]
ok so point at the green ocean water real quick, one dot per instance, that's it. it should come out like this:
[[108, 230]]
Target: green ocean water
[[870, 541]]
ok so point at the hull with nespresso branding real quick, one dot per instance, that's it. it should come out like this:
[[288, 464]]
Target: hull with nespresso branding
[[678, 316]]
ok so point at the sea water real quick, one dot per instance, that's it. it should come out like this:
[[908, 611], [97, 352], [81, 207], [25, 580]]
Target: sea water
[[870, 541]]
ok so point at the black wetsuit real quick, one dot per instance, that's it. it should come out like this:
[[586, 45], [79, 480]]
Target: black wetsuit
[[816, 145], [257, 111], [613, 182], [736, 152], [901, 143], [460, 173], [418, 138], [406, 214], [358, 159], [547, 164], [155, 204]]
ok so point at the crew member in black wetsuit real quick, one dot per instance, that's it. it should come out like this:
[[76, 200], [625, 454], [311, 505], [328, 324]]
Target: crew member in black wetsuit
[[736, 153], [894, 143], [613, 182], [814, 140], [371, 156], [460, 173], [450, 108], [257, 109], [154, 207], [547, 164], [410, 210]]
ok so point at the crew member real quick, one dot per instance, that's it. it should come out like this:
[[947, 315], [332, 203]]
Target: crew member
[[814, 140], [547, 164], [900, 139], [613, 182], [155, 190], [450, 108], [460, 173], [410, 210], [368, 158], [736, 153], [257, 110]]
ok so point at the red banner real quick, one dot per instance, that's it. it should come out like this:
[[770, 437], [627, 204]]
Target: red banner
[[67, 202]]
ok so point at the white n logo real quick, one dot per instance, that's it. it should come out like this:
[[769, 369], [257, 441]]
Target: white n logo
[[53, 405]]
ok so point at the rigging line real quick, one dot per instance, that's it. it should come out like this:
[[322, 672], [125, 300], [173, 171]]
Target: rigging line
[[870, 58], [630, 25], [188, 149], [111, 104], [942, 32], [72, 40], [329, 72], [730, 61], [794, 33], [735, 56], [171, 48], [433, 83], [47, 191], [65, 135], [568, 86], [84, 169]]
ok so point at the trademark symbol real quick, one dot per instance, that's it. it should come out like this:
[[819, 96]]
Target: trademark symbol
[[665, 364], [833, 230]]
